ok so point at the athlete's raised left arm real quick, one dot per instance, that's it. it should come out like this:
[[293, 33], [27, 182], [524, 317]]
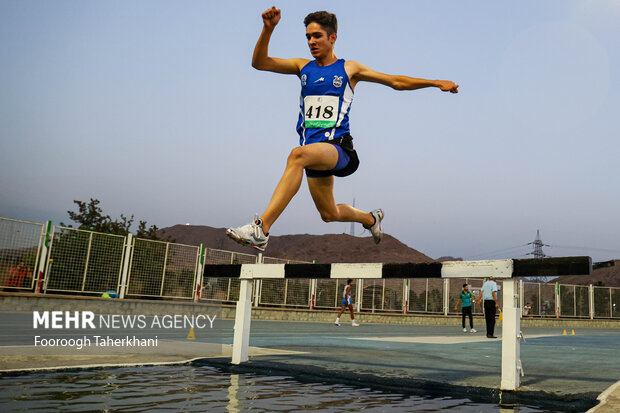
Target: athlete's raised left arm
[[358, 72]]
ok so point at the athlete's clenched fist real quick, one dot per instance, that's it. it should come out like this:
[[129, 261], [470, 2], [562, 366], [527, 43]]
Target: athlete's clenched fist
[[271, 17]]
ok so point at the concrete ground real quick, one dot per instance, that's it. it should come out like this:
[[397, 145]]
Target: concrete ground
[[560, 370]]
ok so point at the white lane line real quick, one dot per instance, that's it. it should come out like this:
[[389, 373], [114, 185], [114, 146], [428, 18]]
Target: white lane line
[[443, 339]]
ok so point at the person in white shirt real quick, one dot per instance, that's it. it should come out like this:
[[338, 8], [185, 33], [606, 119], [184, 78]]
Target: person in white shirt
[[488, 293]]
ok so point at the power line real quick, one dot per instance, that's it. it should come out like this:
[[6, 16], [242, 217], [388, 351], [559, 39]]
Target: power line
[[583, 248], [486, 254], [538, 250]]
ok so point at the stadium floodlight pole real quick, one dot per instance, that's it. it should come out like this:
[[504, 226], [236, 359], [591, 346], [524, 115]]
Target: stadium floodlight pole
[[507, 270]]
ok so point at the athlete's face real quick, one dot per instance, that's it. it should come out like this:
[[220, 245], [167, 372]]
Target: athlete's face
[[320, 44]]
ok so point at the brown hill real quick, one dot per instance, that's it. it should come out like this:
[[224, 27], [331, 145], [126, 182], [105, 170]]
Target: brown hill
[[448, 258], [606, 276], [328, 248]]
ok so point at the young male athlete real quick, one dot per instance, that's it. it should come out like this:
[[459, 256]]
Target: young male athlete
[[466, 297], [347, 302], [326, 146]]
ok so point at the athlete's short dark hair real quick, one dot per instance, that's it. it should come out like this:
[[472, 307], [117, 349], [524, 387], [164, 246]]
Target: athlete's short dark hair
[[464, 285], [349, 281], [327, 20]]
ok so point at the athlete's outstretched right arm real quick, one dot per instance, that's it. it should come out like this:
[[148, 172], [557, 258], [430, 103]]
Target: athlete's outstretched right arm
[[261, 59]]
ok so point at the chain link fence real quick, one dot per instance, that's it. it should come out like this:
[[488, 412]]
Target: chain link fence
[[224, 289], [20, 244], [86, 262], [162, 269], [284, 292]]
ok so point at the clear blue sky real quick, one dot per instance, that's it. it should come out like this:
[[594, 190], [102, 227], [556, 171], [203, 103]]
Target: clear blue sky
[[153, 108]]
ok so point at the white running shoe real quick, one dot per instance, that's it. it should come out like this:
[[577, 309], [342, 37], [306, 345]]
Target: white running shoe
[[464, 330], [354, 325], [473, 330], [337, 324], [250, 235], [375, 229]]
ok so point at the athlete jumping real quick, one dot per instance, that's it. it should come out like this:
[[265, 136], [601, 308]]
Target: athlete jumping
[[326, 146]]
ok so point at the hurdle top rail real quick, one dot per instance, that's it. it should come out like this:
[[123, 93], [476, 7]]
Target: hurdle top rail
[[509, 268]]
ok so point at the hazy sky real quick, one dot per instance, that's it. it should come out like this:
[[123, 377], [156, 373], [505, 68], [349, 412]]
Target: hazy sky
[[153, 108]]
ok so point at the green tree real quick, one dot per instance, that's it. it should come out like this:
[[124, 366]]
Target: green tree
[[90, 217]]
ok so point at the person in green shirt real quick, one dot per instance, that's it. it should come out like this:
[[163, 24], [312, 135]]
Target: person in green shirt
[[466, 297]]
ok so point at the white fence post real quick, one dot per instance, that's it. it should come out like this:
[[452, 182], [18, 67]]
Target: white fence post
[[199, 271], [521, 296], [90, 243], [591, 300], [359, 294], [127, 260], [163, 273], [446, 295], [45, 233], [312, 293], [406, 295], [558, 303], [511, 326]]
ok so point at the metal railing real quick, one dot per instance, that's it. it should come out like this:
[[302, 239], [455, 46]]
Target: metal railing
[[162, 269], [85, 262], [20, 246]]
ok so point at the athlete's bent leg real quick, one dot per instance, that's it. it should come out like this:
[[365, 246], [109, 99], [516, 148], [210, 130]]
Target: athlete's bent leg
[[322, 191], [319, 156]]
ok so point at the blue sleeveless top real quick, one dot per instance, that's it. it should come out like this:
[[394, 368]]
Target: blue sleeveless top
[[325, 102]]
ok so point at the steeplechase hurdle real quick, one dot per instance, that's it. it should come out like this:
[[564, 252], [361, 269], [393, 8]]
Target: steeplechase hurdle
[[504, 269]]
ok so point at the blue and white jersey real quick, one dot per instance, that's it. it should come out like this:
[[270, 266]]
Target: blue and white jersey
[[325, 102]]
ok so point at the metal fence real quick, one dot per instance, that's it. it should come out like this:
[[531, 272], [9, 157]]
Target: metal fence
[[85, 262], [162, 269], [20, 244]]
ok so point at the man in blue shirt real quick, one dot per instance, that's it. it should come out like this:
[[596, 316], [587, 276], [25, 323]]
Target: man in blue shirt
[[488, 293], [326, 146]]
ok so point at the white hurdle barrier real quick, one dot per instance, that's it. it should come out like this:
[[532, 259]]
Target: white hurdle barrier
[[504, 269]]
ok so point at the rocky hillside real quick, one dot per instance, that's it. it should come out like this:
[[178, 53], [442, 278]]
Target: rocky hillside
[[304, 247]]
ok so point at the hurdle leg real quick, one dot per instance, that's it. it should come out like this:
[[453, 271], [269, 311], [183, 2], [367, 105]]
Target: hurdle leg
[[243, 317], [511, 364]]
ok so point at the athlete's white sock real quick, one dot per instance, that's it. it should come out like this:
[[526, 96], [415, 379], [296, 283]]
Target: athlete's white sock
[[337, 319], [353, 321]]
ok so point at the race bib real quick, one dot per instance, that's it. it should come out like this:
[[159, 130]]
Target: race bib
[[321, 111]]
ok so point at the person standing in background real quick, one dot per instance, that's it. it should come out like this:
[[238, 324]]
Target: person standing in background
[[488, 293], [466, 297]]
